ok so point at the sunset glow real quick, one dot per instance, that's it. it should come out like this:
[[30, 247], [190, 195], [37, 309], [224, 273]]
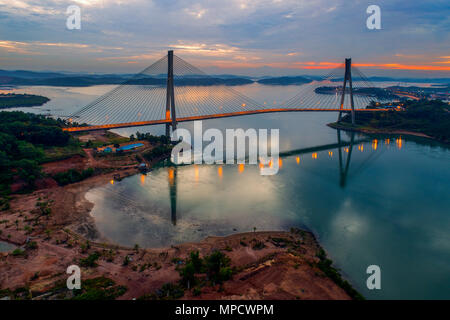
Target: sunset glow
[[231, 43]]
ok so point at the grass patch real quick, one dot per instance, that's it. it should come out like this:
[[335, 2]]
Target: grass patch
[[168, 291], [90, 261], [72, 176], [100, 288], [55, 153], [258, 245]]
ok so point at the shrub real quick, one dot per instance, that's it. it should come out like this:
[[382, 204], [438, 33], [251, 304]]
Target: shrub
[[90, 261], [157, 152], [258, 245], [196, 261], [72, 176], [18, 252], [100, 288], [325, 265], [31, 245], [126, 260], [170, 291], [197, 292], [216, 267], [188, 275]]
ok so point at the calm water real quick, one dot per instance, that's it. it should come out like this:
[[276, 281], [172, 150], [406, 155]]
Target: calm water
[[389, 208], [6, 247]]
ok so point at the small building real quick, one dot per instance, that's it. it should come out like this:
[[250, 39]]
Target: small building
[[127, 147], [143, 167], [130, 147]]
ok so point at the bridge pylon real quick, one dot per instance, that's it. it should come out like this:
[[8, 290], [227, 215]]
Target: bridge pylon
[[170, 95], [347, 78]]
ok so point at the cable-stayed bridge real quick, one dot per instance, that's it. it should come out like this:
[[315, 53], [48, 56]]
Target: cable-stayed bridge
[[171, 90]]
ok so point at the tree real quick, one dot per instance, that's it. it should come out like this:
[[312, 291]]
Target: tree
[[188, 275], [217, 267], [196, 261]]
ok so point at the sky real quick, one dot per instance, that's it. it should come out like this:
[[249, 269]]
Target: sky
[[265, 37]]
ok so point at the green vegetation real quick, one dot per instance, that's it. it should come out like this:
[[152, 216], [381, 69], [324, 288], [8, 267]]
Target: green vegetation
[[325, 265], [44, 207], [126, 260], [196, 272], [168, 291], [90, 261], [109, 138], [4, 203], [258, 245], [13, 100], [216, 267], [100, 288], [55, 153], [22, 293], [429, 117], [151, 138], [24, 139], [72, 176], [157, 152], [18, 252], [32, 245], [283, 81], [369, 92]]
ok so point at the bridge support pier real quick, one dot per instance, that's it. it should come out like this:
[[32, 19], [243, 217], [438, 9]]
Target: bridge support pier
[[347, 78], [170, 95]]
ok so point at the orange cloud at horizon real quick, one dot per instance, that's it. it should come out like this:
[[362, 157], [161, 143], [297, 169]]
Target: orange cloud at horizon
[[399, 66], [326, 65]]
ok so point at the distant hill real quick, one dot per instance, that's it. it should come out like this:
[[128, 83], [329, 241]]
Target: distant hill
[[370, 92], [191, 81], [284, 80], [417, 80], [31, 78], [48, 78], [12, 100], [30, 74]]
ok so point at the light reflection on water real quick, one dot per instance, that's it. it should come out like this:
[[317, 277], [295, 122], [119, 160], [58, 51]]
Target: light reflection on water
[[368, 202]]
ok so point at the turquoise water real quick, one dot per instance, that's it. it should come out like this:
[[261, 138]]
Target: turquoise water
[[6, 247], [131, 146]]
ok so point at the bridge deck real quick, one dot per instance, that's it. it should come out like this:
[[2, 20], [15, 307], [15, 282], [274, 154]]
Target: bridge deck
[[204, 117]]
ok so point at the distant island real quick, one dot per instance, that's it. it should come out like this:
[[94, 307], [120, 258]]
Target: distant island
[[425, 118], [284, 81], [375, 92], [13, 100], [66, 79], [31, 78], [190, 81]]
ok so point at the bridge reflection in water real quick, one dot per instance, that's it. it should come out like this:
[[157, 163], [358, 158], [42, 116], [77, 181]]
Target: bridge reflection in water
[[344, 151]]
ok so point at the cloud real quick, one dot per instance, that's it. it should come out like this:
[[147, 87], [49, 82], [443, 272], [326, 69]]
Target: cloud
[[205, 49], [285, 34]]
